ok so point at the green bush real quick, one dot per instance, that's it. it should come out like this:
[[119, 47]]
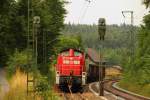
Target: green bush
[[17, 61], [66, 42], [44, 87]]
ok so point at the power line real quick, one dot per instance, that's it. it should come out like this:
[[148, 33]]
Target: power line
[[85, 11], [89, 1], [81, 12]]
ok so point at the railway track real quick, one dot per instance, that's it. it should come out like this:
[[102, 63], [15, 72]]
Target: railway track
[[86, 95], [67, 96], [73, 96], [112, 93], [82, 97], [127, 96]]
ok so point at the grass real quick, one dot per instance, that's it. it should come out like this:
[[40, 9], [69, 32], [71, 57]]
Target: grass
[[17, 88], [18, 91], [0, 88], [112, 73], [138, 89]]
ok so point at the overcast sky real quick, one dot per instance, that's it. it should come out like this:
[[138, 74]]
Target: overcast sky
[[80, 11]]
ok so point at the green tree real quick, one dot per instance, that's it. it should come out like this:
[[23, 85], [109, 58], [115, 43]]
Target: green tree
[[143, 52], [51, 22], [17, 61], [146, 3], [8, 39], [13, 23], [66, 42]]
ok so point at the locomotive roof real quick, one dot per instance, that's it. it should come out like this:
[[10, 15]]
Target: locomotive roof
[[73, 49]]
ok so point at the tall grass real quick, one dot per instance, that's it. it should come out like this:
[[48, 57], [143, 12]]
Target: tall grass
[[17, 90], [0, 91], [0, 88]]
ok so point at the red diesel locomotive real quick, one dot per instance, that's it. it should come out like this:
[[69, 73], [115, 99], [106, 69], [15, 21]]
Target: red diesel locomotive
[[70, 68]]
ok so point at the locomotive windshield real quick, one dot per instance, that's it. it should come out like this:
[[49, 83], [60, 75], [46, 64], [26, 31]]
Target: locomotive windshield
[[76, 53], [66, 53]]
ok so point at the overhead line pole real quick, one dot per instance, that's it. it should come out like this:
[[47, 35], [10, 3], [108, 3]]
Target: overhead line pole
[[32, 43], [131, 12], [30, 51], [132, 33]]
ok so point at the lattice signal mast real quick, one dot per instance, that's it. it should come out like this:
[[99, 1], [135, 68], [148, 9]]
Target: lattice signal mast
[[33, 26]]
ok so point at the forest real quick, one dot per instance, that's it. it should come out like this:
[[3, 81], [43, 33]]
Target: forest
[[58, 36], [117, 40]]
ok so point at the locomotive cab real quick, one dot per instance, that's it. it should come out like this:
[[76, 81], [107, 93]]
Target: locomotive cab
[[70, 68]]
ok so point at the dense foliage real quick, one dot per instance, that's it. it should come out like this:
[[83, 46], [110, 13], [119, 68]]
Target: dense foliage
[[13, 35], [13, 24], [138, 73], [66, 42], [117, 43], [146, 3], [142, 61], [17, 61]]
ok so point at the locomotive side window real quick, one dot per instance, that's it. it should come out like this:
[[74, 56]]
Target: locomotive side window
[[76, 62], [66, 61]]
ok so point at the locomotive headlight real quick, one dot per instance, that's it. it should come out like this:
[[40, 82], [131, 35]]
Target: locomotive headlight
[[83, 78], [57, 72], [83, 73], [57, 77]]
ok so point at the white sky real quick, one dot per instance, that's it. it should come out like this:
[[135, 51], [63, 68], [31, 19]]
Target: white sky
[[80, 11]]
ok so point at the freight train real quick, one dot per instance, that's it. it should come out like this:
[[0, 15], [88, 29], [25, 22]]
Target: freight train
[[70, 68]]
